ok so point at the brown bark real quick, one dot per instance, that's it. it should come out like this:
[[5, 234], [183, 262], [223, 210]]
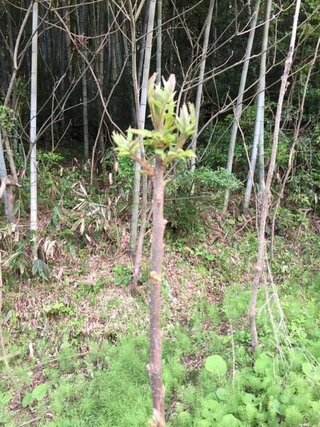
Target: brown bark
[[157, 249]]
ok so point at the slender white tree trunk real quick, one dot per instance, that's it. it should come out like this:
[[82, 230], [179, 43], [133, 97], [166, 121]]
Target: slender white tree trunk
[[258, 139], [201, 75], [141, 123], [144, 202], [260, 263], [2, 342], [33, 130], [239, 106], [159, 39], [3, 176], [83, 30], [100, 68]]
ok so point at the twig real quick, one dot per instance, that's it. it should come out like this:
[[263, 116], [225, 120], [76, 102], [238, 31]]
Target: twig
[[26, 423]]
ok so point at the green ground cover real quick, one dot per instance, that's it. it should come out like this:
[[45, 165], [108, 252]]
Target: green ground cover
[[78, 347]]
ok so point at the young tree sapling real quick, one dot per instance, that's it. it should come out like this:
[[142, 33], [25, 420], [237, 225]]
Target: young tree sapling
[[165, 142]]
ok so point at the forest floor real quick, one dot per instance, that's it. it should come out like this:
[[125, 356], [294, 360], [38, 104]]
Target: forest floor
[[77, 344]]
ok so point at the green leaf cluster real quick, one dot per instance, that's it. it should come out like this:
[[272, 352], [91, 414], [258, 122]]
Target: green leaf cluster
[[37, 394], [7, 118], [171, 130]]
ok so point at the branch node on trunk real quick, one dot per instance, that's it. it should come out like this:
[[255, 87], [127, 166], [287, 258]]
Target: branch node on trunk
[[155, 278]]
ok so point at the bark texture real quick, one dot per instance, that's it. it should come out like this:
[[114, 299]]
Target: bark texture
[[157, 249]]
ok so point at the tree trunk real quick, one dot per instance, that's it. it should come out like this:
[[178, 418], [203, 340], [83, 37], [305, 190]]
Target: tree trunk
[[159, 39], [157, 249], [201, 76], [238, 111], [3, 176], [143, 223], [141, 124], [144, 203], [2, 343], [142, 231], [100, 68], [83, 31], [33, 131], [144, 31], [259, 124], [260, 263]]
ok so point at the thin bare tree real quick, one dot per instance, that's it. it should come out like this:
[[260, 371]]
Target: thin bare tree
[[33, 131], [202, 68], [266, 194], [258, 139], [239, 106], [141, 123]]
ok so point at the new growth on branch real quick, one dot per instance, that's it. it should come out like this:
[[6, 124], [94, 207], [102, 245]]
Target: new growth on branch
[[171, 130]]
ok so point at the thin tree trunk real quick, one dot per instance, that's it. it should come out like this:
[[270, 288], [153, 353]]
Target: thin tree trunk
[[67, 19], [159, 39], [142, 231], [3, 176], [135, 81], [261, 157], [33, 132], [157, 249], [260, 263], [15, 67], [85, 112], [100, 68], [239, 106], [2, 344], [83, 30], [143, 43], [143, 222], [141, 124], [259, 124], [144, 202], [201, 76], [293, 146]]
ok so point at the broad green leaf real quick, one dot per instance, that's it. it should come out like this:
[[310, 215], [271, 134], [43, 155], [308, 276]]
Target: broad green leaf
[[4, 398], [216, 365], [211, 404], [262, 364], [119, 139], [274, 390], [27, 400], [248, 398], [285, 397], [39, 392], [230, 420], [222, 393], [275, 404]]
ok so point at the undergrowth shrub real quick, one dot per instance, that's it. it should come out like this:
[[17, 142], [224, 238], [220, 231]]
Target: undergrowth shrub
[[190, 194]]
